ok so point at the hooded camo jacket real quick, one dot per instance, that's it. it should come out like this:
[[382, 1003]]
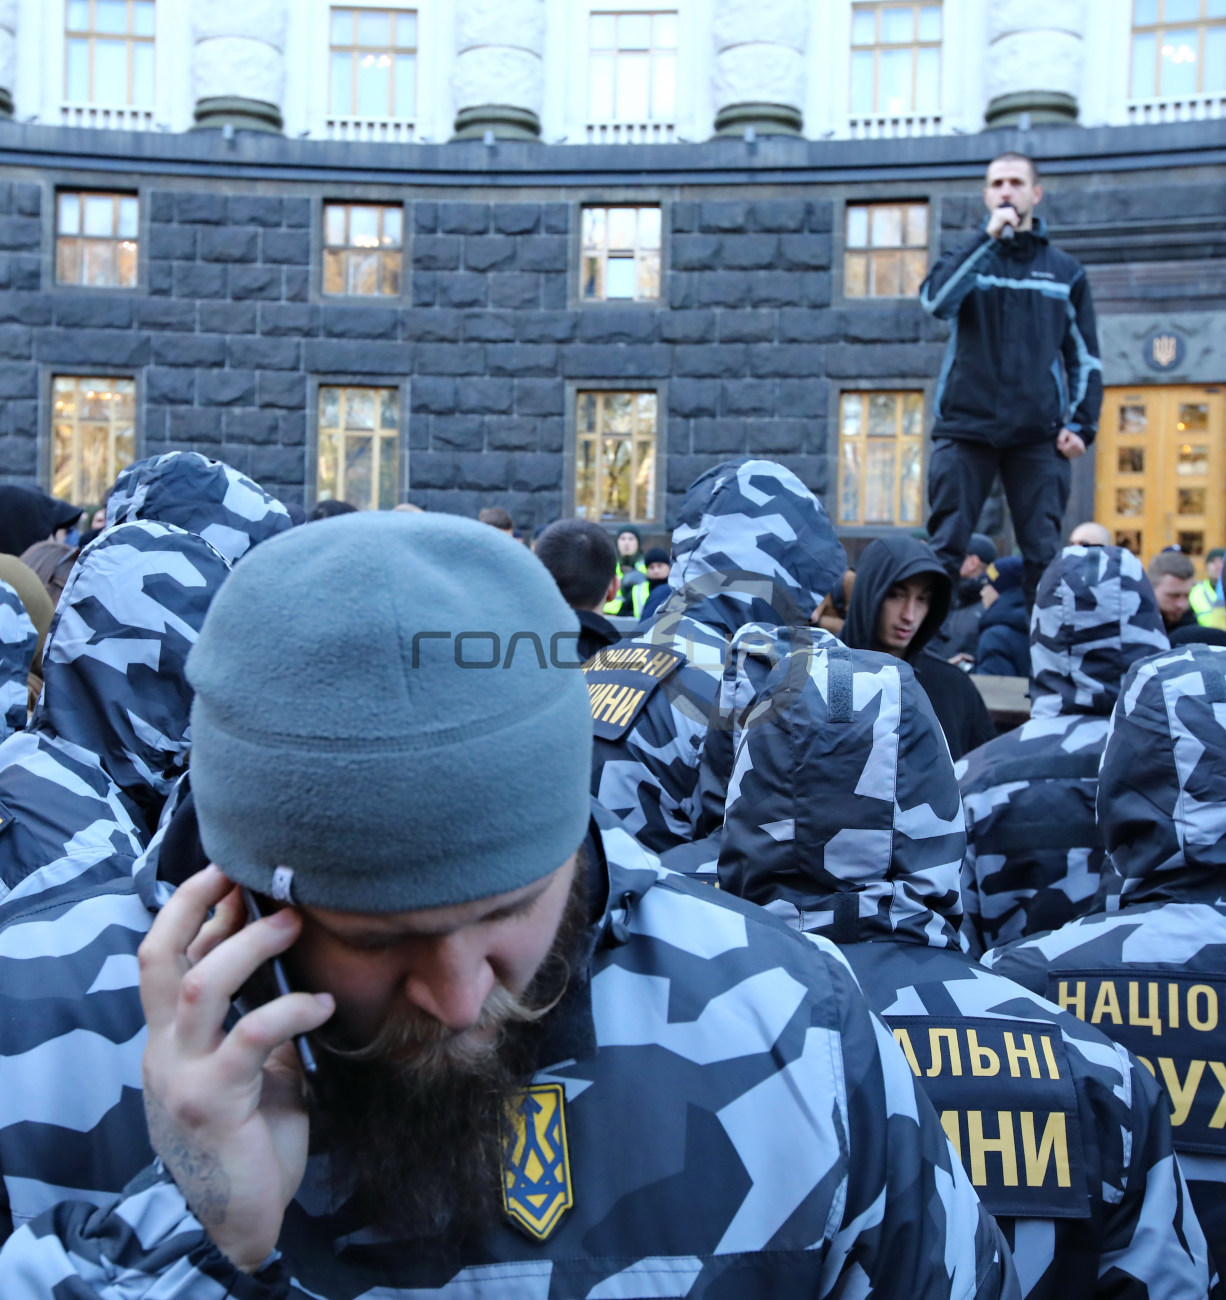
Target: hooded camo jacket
[[843, 819], [736, 1123], [1152, 971], [18, 642], [1034, 851]]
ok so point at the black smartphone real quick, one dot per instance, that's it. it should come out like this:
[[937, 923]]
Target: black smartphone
[[253, 996]]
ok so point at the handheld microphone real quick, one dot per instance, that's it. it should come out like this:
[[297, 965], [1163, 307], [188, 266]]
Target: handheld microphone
[[1007, 232]]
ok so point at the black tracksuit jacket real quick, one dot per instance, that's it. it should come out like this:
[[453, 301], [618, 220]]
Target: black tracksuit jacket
[[1022, 360]]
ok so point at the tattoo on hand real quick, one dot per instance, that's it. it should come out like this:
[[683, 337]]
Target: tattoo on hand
[[197, 1172]]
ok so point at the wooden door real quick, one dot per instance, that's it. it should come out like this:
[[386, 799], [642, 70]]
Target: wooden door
[[1161, 469]]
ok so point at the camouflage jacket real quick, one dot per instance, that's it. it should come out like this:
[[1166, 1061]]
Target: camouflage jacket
[[202, 496], [1152, 971], [752, 544], [82, 786], [843, 819], [18, 642], [728, 1119], [1034, 850]]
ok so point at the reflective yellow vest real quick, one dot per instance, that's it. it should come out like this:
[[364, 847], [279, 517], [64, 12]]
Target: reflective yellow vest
[[638, 593], [1204, 602]]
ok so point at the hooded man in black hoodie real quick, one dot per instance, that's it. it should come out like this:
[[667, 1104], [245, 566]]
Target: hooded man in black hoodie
[[900, 599]]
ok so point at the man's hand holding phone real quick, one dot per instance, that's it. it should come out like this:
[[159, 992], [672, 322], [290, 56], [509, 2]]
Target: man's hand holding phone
[[226, 1110]]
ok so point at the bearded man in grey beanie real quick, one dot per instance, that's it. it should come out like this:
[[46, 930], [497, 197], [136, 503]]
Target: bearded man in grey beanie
[[545, 1067]]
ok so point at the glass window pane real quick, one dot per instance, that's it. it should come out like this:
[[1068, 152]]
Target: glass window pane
[[76, 87], [632, 72], [618, 412], [585, 479], [1144, 52], [887, 227], [623, 223], [910, 495], [1129, 539], [1181, 11], [1131, 460], [358, 467], [601, 32], [849, 483], [645, 411], [406, 31], [111, 16], [1215, 59], [914, 268], [587, 412], [362, 272], [616, 478], [1216, 9], [664, 32], [142, 74], [862, 98], [374, 85], [329, 407], [405, 86], [620, 277], [110, 72], [894, 94], [1193, 416], [897, 25], [913, 415], [393, 227], [123, 397], [853, 412], [663, 87], [142, 18], [879, 483], [342, 26], [98, 262], [930, 23], [1190, 501], [928, 81], [600, 88], [885, 279], [389, 273], [863, 26], [1130, 501], [389, 408], [364, 226], [634, 31], [649, 275], [68, 261], [62, 484], [1177, 74], [125, 263], [1145, 11], [334, 223], [645, 479], [649, 227], [359, 408], [1191, 543], [374, 28], [1133, 419], [99, 214], [325, 467], [917, 225], [77, 18], [342, 83], [855, 275], [1193, 460], [70, 214], [882, 415], [389, 472], [857, 226], [591, 277], [593, 227]]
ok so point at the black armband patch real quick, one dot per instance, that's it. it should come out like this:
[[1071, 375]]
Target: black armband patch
[[1004, 1093], [620, 680]]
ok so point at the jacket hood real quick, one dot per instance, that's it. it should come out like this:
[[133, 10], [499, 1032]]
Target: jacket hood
[[113, 668], [1094, 616], [202, 496], [843, 814], [886, 561], [752, 544], [1162, 783], [29, 515], [18, 642]]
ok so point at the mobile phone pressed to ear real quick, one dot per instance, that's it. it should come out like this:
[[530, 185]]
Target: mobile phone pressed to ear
[[305, 1055]]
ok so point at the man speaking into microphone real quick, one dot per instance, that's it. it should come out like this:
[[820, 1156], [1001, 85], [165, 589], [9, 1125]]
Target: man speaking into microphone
[[1021, 386]]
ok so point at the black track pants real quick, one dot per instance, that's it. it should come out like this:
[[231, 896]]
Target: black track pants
[[1036, 479]]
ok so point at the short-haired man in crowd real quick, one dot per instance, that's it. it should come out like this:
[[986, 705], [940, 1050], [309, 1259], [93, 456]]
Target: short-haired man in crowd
[[580, 555], [498, 518], [1021, 387], [1172, 574], [544, 1065]]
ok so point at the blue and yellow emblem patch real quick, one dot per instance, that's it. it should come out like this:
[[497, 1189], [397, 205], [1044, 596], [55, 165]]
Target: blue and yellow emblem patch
[[536, 1186]]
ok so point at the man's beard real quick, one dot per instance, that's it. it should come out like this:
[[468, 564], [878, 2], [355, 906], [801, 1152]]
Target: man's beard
[[413, 1122]]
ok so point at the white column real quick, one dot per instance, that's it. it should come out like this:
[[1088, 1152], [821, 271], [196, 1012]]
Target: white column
[[238, 63], [8, 55], [759, 76], [1035, 51], [499, 73]]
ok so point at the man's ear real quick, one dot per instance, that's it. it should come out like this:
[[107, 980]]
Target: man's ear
[[1038, 195], [612, 589]]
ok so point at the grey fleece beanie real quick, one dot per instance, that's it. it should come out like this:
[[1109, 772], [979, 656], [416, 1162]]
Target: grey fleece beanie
[[347, 729]]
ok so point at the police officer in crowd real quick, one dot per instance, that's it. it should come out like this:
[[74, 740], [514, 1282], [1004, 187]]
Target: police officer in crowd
[[843, 820], [1151, 971], [541, 1065]]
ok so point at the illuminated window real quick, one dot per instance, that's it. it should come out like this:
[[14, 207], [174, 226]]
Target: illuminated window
[[886, 254], [359, 447], [96, 238], [93, 434], [1178, 48], [632, 67], [362, 248], [621, 253], [615, 457], [108, 52], [374, 63], [895, 59], [881, 458]]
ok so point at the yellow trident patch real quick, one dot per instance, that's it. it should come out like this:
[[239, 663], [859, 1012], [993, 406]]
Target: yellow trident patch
[[536, 1186]]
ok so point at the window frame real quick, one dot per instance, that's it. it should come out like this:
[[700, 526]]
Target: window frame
[[130, 40], [843, 248], [51, 255], [51, 371], [599, 10], [574, 272], [1202, 24], [570, 455], [635, 301], [392, 11], [915, 46], [402, 386], [319, 246]]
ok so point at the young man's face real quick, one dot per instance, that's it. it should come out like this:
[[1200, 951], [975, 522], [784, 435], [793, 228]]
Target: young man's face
[[1171, 594], [903, 610], [627, 543], [1010, 181], [657, 570]]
